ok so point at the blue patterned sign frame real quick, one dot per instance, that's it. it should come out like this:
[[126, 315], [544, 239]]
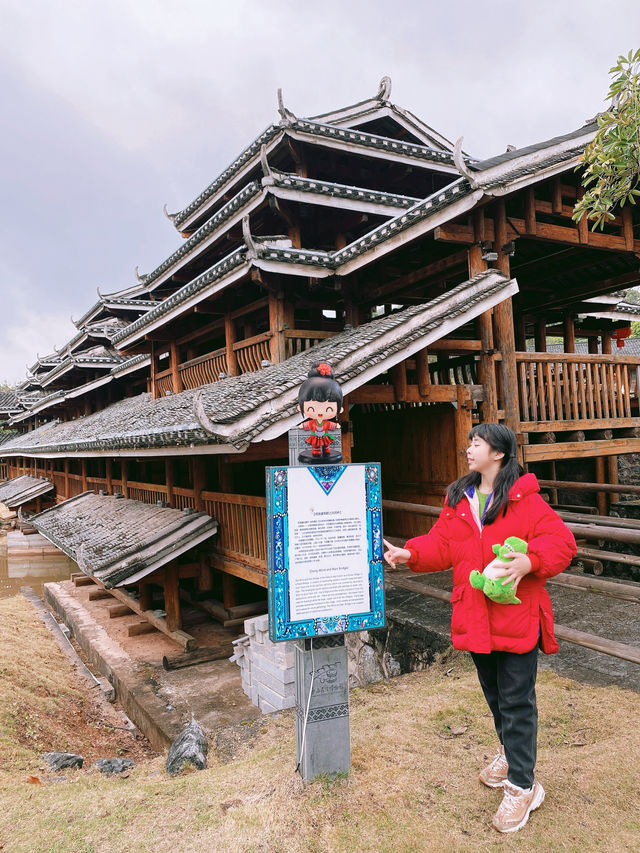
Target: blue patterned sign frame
[[281, 627]]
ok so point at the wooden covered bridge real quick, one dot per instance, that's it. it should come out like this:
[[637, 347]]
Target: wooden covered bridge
[[433, 282]]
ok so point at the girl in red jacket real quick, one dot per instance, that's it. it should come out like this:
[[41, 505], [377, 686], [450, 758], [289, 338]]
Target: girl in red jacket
[[482, 509]]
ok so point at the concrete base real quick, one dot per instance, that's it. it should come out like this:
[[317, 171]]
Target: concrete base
[[323, 738], [159, 703]]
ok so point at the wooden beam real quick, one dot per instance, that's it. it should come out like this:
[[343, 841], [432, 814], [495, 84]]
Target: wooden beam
[[580, 449], [435, 394], [396, 285], [230, 339], [456, 345]]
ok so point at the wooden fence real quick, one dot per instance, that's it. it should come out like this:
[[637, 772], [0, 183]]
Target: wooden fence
[[570, 391]]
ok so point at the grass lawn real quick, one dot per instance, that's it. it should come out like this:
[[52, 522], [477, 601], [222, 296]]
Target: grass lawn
[[417, 745]]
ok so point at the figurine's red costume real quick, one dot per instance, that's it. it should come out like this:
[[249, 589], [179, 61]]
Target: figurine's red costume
[[319, 440]]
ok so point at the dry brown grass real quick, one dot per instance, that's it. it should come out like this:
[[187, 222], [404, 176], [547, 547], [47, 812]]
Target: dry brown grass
[[413, 785]]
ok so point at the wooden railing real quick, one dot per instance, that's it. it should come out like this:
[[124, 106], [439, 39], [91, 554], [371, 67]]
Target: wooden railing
[[251, 352], [300, 340], [164, 383], [60, 483], [183, 498], [75, 485], [204, 369], [571, 391], [148, 493], [94, 484], [242, 526], [4, 470]]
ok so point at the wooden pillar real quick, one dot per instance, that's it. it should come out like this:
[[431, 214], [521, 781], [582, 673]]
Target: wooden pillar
[[145, 600], [66, 479], [399, 379], [592, 343], [229, 592], [83, 471], [197, 470], [463, 425], [294, 235], [172, 596], [152, 371], [123, 468], [541, 335], [612, 471], [530, 211], [86, 409], [569, 333], [276, 326], [108, 477], [168, 479], [422, 369], [627, 228], [556, 195], [503, 326], [205, 576], [601, 497], [224, 475], [486, 364], [229, 341], [606, 343], [174, 359]]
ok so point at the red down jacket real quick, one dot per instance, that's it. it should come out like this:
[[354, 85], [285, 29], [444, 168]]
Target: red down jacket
[[477, 623]]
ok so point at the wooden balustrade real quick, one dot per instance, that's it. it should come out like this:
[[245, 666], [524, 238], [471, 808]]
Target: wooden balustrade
[[300, 340], [164, 383], [4, 471], [75, 485], [95, 484], [242, 526], [571, 391], [204, 369], [60, 483], [252, 351], [183, 498], [148, 493]]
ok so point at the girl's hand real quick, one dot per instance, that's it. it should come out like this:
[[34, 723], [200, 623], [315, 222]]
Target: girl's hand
[[514, 569], [395, 555]]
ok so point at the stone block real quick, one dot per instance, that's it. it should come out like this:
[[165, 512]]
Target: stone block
[[274, 699], [264, 679], [263, 664]]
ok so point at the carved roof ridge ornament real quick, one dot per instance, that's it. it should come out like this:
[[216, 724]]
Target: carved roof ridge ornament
[[269, 177], [201, 416], [287, 118], [384, 89], [252, 247], [461, 166], [141, 277], [170, 216]]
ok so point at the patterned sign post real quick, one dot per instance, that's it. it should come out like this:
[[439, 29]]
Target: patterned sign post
[[324, 527]]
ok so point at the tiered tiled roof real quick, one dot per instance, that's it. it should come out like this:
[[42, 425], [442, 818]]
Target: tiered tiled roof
[[241, 409]]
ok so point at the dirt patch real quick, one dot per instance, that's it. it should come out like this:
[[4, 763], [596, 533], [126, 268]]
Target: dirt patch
[[45, 706]]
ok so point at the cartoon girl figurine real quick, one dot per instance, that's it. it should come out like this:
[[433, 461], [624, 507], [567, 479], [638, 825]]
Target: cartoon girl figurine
[[320, 401]]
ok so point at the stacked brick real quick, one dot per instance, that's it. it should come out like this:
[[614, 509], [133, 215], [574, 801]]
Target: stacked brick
[[268, 669]]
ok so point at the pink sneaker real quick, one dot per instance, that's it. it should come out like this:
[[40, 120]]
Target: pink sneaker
[[516, 806], [494, 774]]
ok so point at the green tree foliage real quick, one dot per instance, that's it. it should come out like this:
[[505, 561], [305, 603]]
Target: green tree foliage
[[611, 161]]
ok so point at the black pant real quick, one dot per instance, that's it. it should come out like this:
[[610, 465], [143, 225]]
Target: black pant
[[508, 681]]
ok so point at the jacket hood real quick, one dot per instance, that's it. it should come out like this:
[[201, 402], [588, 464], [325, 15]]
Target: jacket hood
[[523, 486]]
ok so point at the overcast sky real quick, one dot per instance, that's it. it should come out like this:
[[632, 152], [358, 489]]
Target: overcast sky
[[112, 108]]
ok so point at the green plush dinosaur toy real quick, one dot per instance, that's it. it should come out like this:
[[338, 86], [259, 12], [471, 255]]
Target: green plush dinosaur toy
[[494, 588]]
